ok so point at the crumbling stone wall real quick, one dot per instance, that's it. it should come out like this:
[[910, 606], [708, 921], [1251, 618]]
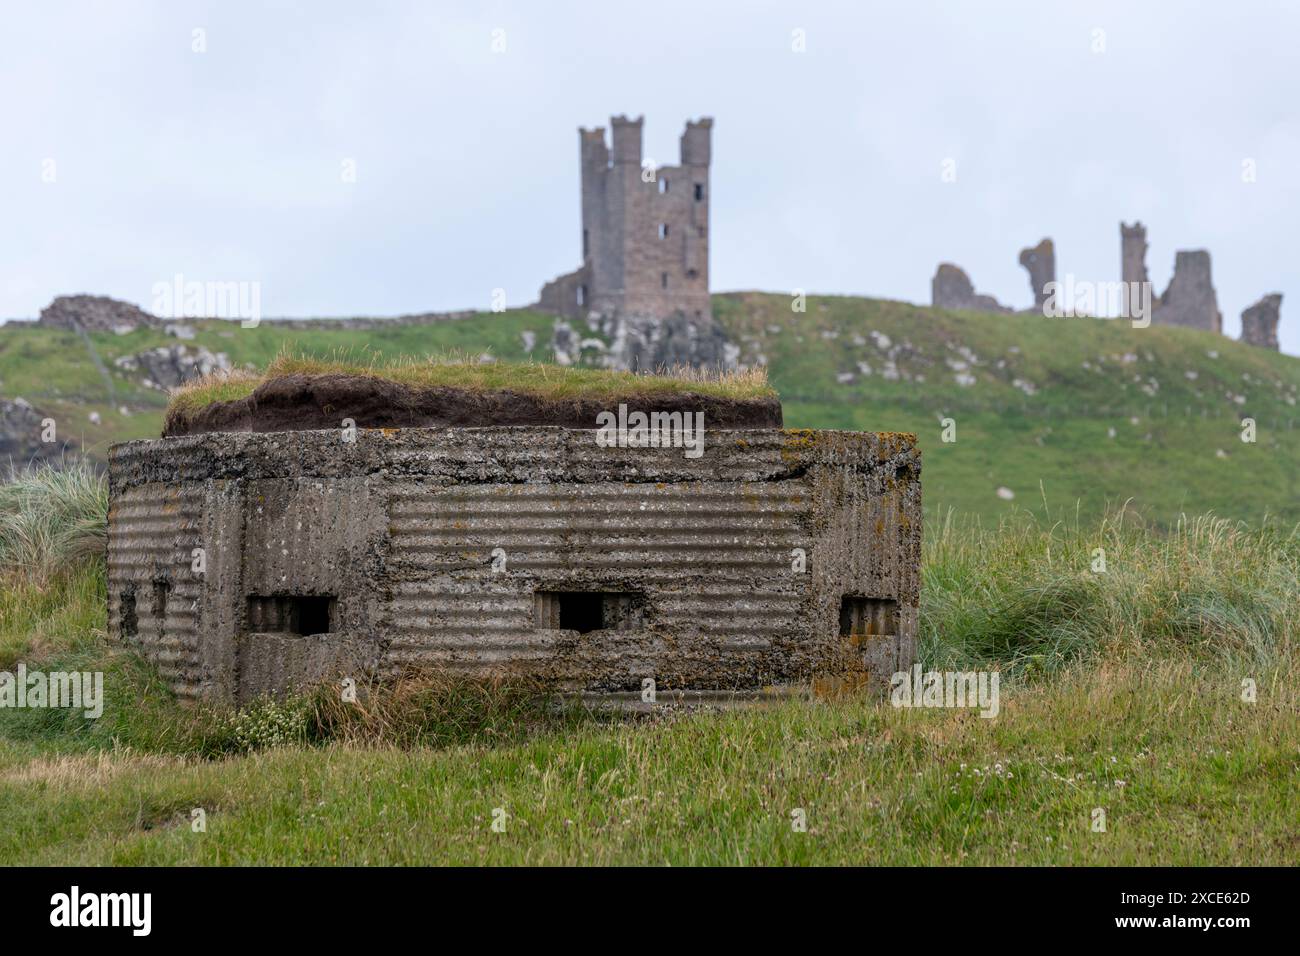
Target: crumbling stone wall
[[1259, 322], [1040, 262], [1133, 252], [482, 552], [951, 288], [1190, 300]]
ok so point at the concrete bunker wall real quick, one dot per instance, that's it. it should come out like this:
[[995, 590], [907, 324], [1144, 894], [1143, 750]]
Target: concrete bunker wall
[[499, 550]]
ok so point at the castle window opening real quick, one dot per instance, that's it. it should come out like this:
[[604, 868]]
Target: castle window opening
[[699, 192], [663, 279], [663, 184], [663, 230]]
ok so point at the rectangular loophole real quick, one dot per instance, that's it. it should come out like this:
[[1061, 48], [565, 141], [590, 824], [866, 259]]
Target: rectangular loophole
[[291, 613], [161, 594], [129, 620], [585, 611], [867, 617]]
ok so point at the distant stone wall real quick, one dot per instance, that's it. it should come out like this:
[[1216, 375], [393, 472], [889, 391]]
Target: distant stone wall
[[96, 313], [566, 295], [1189, 300], [951, 288], [1259, 322]]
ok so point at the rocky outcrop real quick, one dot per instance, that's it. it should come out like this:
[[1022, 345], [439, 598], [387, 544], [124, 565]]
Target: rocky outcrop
[[168, 366], [643, 344], [96, 313], [1190, 300], [22, 433], [1040, 262], [951, 288], [1259, 322], [648, 345]]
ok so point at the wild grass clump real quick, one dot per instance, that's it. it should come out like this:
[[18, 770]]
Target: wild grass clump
[[1034, 595], [451, 370], [428, 709], [51, 519]]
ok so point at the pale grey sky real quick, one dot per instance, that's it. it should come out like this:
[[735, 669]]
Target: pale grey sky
[[225, 165]]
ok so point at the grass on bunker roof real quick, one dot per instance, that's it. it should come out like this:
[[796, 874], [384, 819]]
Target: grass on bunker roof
[[542, 379]]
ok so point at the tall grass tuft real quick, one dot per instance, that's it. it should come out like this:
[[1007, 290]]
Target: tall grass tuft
[[426, 708], [1031, 596], [51, 519]]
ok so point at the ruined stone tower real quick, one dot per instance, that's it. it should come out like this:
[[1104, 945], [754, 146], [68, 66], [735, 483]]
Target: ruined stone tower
[[1259, 322], [1189, 299], [1133, 252], [1040, 262], [645, 232]]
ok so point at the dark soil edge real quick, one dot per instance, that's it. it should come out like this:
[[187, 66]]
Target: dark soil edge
[[312, 402]]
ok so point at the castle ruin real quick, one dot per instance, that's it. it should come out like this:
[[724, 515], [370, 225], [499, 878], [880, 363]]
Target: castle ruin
[[1259, 322], [644, 280], [645, 230], [1189, 299], [1040, 262]]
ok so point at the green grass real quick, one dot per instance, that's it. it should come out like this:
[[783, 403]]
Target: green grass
[[1163, 457], [1121, 690], [540, 379], [1186, 773]]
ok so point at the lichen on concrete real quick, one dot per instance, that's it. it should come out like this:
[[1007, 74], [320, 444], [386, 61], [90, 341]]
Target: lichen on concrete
[[467, 550]]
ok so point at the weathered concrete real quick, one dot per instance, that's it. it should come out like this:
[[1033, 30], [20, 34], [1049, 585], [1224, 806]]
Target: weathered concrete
[[1259, 322], [323, 557]]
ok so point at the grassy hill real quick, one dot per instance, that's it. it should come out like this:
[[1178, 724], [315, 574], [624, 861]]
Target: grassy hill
[[1089, 411]]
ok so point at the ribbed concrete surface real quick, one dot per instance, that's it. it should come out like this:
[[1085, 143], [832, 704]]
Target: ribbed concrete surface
[[399, 529]]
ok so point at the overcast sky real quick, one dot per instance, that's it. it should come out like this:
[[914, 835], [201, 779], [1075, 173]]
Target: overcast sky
[[227, 165]]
